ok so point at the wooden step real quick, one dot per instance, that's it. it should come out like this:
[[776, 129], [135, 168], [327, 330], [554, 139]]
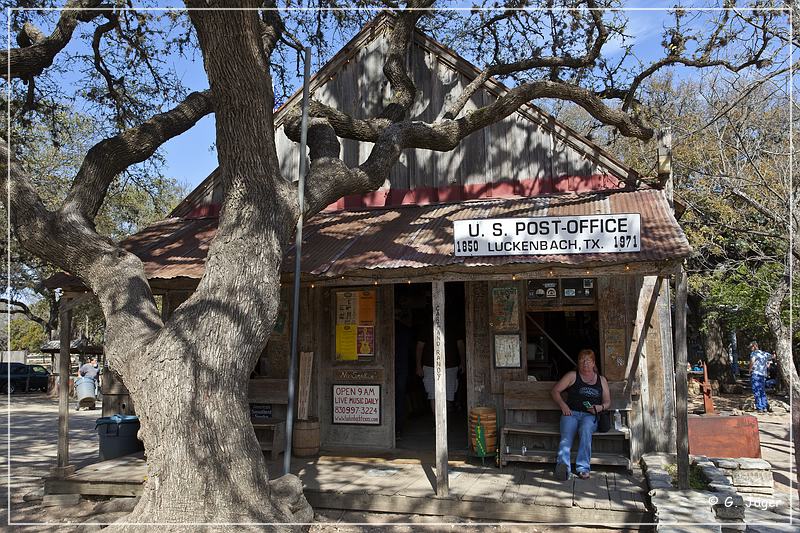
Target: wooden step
[[539, 456], [553, 429]]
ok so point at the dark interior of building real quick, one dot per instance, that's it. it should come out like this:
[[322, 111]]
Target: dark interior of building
[[413, 322], [552, 333]]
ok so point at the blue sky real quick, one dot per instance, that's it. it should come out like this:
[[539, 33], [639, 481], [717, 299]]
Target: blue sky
[[190, 157]]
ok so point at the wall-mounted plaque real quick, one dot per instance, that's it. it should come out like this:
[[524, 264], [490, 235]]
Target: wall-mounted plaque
[[507, 352], [357, 404], [260, 411], [372, 375], [542, 292], [505, 309], [560, 292], [577, 290]]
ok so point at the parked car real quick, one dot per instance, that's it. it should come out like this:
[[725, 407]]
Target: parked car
[[19, 377]]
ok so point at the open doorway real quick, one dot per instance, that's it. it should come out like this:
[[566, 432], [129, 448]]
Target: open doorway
[[556, 336], [414, 419]]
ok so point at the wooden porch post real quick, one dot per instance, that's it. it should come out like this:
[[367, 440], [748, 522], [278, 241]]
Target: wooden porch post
[[63, 467], [679, 340], [440, 388], [681, 386]]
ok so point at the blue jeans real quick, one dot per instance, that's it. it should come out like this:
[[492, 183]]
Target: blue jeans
[[584, 424], [759, 393]]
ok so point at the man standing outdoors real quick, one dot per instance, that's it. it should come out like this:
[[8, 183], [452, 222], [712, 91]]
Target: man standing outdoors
[[759, 363], [90, 370]]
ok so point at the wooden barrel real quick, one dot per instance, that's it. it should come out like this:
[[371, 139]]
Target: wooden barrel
[[305, 437], [488, 419]]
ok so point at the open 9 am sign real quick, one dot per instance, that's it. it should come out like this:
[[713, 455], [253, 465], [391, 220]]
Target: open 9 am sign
[[357, 404]]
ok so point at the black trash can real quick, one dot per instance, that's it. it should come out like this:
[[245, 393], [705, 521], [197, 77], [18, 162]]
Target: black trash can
[[118, 436]]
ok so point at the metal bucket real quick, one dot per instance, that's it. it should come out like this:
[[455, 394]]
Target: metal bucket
[[84, 390]]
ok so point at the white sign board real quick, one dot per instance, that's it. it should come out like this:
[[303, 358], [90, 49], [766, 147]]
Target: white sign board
[[357, 404], [582, 234]]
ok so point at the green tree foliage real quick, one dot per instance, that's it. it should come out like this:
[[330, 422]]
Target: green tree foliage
[[26, 335], [52, 153]]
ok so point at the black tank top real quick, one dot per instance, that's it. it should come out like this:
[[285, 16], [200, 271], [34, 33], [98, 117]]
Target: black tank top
[[580, 392]]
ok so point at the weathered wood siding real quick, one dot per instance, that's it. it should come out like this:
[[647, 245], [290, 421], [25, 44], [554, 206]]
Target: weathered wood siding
[[501, 375], [660, 429], [615, 320], [479, 363], [515, 149], [321, 319]]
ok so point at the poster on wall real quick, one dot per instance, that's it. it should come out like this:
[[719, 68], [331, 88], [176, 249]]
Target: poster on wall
[[366, 308], [357, 404], [355, 324], [366, 340], [507, 351], [505, 309]]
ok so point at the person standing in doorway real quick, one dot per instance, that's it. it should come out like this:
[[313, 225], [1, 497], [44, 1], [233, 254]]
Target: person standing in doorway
[[587, 396], [759, 365], [455, 357]]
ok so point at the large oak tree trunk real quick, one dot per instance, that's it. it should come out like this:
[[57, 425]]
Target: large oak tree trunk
[[204, 462]]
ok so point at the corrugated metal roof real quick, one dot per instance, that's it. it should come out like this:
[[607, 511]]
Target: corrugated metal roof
[[422, 236], [416, 237], [174, 247]]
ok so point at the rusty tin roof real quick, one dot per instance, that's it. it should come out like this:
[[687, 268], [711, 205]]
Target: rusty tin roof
[[416, 237], [336, 243]]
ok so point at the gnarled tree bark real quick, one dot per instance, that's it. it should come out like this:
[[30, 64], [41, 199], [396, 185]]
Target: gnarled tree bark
[[187, 375]]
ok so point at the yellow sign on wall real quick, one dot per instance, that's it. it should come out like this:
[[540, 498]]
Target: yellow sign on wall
[[355, 324]]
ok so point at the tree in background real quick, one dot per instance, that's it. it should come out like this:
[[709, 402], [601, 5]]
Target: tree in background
[[179, 370], [51, 152], [733, 174], [26, 335]]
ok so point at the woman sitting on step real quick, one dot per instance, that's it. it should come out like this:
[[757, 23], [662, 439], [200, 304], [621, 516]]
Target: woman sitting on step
[[587, 396]]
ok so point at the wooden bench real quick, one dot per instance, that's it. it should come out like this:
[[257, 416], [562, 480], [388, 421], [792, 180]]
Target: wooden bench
[[532, 418], [270, 432]]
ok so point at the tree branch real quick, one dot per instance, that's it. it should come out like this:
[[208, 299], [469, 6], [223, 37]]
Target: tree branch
[[329, 178], [69, 242], [30, 61], [24, 310], [698, 61], [584, 61], [111, 156], [752, 202], [100, 66], [30, 35], [272, 27], [346, 126], [404, 92]]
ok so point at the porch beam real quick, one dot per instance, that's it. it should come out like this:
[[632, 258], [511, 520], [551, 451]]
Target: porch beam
[[504, 273], [440, 389], [681, 386], [63, 467]]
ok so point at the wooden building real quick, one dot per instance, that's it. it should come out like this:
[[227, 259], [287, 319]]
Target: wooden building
[[527, 307]]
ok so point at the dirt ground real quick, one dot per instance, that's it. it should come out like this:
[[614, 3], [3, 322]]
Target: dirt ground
[[32, 452]]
